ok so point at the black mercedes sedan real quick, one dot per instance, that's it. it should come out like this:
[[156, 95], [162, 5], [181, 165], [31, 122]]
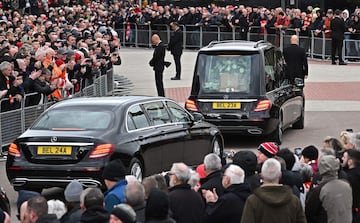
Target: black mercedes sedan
[[75, 138]]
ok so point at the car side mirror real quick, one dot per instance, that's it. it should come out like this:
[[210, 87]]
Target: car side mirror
[[197, 117], [299, 82]]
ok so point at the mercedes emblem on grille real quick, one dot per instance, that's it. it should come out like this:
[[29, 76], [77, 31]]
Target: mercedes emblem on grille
[[54, 139]]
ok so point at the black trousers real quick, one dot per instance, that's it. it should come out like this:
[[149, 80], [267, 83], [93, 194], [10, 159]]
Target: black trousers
[[336, 45], [177, 60], [159, 82]]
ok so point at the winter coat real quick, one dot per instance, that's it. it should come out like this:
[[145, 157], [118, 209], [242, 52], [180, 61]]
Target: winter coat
[[96, 214], [211, 181], [273, 203], [330, 202], [354, 180], [253, 181], [229, 207], [293, 180], [115, 195], [73, 215], [47, 218], [186, 205]]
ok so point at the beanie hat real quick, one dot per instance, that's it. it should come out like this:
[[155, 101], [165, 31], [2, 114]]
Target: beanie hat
[[125, 213], [269, 149], [310, 152], [328, 165], [157, 205], [247, 160], [114, 170], [72, 191]]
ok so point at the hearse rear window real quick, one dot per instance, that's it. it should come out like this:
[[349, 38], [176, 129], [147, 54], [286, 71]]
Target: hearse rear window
[[225, 73]]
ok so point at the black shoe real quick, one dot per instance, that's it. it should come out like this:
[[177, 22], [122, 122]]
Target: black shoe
[[175, 78], [342, 63], [333, 63]]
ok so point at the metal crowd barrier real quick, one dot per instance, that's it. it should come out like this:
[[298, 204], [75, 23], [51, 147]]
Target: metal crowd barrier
[[14, 122], [196, 37]]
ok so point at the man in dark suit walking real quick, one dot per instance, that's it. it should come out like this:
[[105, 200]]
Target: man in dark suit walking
[[296, 60], [337, 27], [176, 48], [157, 62]]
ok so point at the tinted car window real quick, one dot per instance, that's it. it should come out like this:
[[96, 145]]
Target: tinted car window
[[223, 73], [157, 113], [136, 118], [270, 69], [178, 113], [78, 119]]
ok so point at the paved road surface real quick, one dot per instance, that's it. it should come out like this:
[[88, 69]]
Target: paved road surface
[[332, 100]]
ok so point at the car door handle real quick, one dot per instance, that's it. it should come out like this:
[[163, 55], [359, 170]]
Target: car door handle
[[141, 138], [163, 132]]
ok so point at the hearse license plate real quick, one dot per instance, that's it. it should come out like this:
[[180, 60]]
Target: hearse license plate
[[226, 105], [54, 150]]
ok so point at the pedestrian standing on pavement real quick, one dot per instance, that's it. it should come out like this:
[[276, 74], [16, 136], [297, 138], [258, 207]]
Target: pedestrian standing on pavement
[[332, 200], [338, 29], [135, 197], [114, 177], [186, 205], [265, 151], [272, 202], [296, 60], [213, 179], [228, 207], [37, 211], [351, 166], [72, 197], [94, 211], [247, 160], [175, 46], [157, 62]]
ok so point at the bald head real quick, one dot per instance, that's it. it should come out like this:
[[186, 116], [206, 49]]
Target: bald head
[[155, 39], [294, 39]]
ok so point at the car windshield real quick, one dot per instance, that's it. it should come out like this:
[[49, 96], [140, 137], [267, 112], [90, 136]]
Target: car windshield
[[226, 73], [73, 120]]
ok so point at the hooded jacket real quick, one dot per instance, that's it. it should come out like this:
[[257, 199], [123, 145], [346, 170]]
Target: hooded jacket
[[229, 206], [273, 203], [331, 201]]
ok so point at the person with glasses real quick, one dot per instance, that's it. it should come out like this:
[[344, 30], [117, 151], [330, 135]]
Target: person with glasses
[[228, 207]]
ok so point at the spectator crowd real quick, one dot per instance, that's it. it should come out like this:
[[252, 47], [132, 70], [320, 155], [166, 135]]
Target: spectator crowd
[[272, 185], [56, 48]]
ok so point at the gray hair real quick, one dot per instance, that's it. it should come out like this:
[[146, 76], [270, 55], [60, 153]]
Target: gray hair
[[83, 194], [271, 170], [305, 170], [354, 139], [4, 65], [194, 179], [235, 173], [134, 193], [212, 162], [128, 210], [181, 171]]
